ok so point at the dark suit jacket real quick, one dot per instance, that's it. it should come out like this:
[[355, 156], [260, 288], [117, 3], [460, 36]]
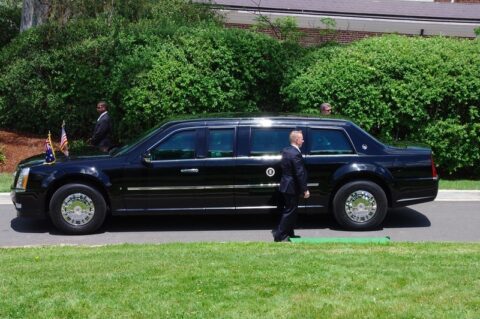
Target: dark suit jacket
[[101, 134], [294, 174]]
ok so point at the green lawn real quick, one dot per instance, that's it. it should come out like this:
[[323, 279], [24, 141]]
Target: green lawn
[[242, 280], [460, 184], [5, 181]]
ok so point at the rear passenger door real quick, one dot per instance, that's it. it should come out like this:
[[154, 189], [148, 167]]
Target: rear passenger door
[[327, 150], [258, 173], [219, 167]]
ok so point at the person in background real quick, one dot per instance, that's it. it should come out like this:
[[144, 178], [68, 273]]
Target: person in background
[[326, 109], [101, 137]]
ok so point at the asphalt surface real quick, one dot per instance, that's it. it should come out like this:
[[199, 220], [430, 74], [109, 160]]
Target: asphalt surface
[[450, 221]]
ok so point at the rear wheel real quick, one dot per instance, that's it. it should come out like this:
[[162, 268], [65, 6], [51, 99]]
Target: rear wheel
[[360, 205], [77, 209]]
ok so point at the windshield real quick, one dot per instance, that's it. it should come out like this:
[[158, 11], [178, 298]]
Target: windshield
[[127, 147]]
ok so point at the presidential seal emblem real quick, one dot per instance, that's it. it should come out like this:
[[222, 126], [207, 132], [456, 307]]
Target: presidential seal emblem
[[270, 172]]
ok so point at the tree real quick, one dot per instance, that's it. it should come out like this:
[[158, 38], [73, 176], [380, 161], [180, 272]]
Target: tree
[[34, 12]]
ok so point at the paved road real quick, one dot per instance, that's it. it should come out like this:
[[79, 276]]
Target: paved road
[[436, 221]]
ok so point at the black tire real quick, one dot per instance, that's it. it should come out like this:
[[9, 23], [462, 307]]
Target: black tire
[[361, 221], [78, 194]]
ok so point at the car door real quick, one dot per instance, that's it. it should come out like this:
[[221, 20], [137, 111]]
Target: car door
[[170, 178], [258, 172], [175, 174], [327, 150], [218, 169]]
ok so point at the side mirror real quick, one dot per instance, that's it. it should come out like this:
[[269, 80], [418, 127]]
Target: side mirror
[[147, 158]]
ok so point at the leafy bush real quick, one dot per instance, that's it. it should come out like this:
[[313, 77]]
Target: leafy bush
[[200, 71], [456, 144], [10, 15], [147, 70], [398, 88], [59, 71], [40, 90]]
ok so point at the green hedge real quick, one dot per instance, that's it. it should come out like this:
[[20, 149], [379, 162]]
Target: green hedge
[[148, 70], [199, 71], [400, 88], [10, 15], [43, 81]]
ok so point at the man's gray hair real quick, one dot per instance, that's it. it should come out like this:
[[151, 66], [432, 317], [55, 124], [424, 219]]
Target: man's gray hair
[[294, 134], [325, 105]]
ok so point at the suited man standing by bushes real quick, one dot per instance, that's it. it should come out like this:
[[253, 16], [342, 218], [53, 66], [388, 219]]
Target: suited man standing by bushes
[[101, 137], [292, 184]]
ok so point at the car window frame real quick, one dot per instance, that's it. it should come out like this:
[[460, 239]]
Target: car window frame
[[340, 129], [197, 130], [207, 141], [274, 126]]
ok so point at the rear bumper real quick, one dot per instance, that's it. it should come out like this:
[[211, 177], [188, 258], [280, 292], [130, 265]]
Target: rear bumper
[[415, 191], [28, 204]]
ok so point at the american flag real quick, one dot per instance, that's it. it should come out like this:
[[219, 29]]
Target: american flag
[[49, 152], [64, 141]]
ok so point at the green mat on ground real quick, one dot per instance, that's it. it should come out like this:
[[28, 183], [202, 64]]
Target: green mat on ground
[[349, 240]]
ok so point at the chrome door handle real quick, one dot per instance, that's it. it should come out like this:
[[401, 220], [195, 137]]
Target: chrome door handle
[[189, 170]]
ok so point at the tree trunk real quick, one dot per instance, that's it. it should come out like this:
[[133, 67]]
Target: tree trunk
[[34, 12]]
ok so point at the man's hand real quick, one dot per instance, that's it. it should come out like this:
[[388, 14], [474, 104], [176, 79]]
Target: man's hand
[[306, 194]]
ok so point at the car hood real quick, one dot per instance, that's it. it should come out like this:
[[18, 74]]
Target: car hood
[[84, 154]]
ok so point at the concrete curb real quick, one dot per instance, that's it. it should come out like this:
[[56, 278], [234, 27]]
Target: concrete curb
[[443, 196], [458, 195]]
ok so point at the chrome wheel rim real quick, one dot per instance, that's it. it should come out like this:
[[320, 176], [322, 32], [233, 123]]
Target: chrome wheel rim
[[361, 206], [78, 209]]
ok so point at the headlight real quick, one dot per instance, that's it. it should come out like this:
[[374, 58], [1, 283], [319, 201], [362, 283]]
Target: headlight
[[22, 179]]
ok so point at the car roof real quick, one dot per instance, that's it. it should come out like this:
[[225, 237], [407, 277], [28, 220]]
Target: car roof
[[259, 118]]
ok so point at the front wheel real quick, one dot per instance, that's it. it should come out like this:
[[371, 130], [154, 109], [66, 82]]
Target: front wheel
[[77, 209], [360, 205]]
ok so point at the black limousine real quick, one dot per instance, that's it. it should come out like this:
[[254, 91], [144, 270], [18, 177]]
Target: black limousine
[[227, 165]]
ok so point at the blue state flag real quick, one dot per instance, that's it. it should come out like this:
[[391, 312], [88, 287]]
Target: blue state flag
[[49, 152]]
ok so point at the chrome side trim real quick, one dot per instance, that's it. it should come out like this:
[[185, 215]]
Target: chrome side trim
[[161, 188], [256, 207], [413, 198], [270, 185], [332, 155], [210, 208], [219, 187], [164, 188]]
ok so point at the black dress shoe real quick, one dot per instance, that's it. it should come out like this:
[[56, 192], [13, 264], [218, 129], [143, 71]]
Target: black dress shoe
[[274, 234], [286, 239]]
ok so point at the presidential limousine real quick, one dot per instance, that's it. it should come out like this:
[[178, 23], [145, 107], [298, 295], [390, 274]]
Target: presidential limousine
[[228, 166]]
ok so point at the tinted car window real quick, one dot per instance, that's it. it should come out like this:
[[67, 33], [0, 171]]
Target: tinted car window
[[220, 143], [267, 141], [179, 145], [329, 142]]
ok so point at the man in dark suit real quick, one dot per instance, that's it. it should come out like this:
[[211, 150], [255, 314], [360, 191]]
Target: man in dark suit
[[292, 185], [101, 134]]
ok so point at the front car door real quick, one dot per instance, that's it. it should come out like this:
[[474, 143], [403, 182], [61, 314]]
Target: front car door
[[171, 177]]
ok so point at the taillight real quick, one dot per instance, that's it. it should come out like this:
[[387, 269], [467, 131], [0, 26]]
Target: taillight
[[434, 170]]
